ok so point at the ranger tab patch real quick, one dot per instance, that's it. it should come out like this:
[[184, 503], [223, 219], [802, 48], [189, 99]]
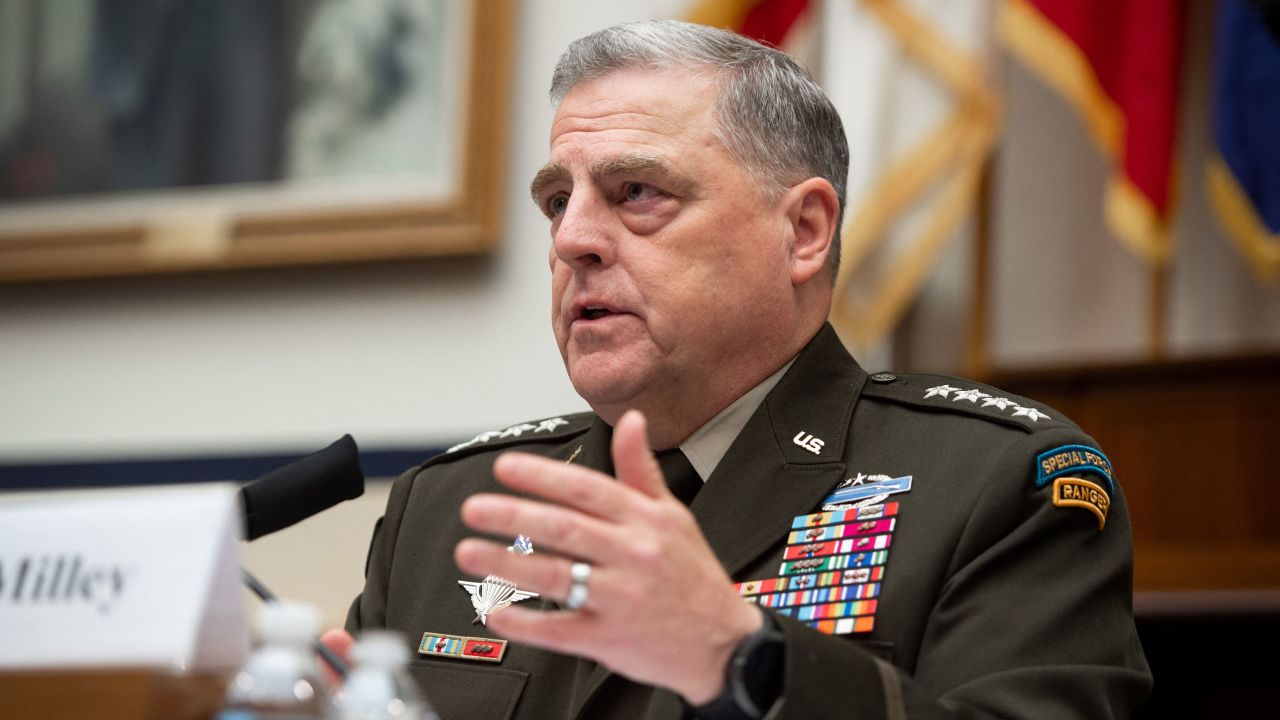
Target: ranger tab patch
[[1073, 460], [1077, 492]]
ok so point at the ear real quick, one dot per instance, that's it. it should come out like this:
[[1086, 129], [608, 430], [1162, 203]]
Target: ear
[[812, 208]]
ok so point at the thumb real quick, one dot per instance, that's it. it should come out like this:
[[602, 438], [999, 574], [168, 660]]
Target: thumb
[[633, 460], [340, 642]]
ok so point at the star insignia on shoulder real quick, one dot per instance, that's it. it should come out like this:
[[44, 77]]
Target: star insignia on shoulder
[[481, 438], [550, 425], [942, 390], [1031, 414], [975, 395], [999, 402], [517, 430]]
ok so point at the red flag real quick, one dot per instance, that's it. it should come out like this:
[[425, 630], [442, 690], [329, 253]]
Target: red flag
[[768, 21], [1118, 62]]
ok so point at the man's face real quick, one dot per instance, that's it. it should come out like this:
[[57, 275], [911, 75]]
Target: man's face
[[669, 265]]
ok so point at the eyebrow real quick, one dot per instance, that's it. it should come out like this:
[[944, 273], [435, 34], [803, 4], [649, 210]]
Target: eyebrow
[[548, 174], [554, 172]]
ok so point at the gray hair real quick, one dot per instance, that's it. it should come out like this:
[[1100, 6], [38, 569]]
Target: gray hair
[[771, 116]]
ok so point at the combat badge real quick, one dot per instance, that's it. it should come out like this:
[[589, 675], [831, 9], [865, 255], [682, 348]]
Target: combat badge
[[865, 490], [1077, 492]]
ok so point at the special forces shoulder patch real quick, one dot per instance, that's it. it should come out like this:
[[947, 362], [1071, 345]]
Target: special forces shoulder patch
[[1081, 477], [1073, 460]]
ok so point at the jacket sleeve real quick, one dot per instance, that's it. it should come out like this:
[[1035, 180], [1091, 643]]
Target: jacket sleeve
[[369, 609], [1034, 619]]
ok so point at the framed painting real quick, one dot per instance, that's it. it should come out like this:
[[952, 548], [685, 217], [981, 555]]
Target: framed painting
[[192, 135]]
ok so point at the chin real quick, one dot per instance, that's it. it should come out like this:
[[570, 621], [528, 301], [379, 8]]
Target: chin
[[605, 388]]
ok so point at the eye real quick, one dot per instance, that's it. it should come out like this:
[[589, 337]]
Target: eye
[[635, 191], [557, 205]]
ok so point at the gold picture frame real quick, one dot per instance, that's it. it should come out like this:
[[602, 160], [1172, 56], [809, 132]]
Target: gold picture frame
[[276, 224]]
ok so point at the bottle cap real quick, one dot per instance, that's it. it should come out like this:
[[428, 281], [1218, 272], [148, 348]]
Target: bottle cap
[[288, 621], [382, 648]]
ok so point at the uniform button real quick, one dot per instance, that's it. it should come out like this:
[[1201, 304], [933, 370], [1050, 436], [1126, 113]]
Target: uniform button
[[884, 377]]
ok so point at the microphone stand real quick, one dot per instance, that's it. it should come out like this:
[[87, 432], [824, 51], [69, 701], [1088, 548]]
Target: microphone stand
[[328, 655]]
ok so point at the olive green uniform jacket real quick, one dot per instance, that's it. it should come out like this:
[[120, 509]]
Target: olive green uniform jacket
[[995, 602]]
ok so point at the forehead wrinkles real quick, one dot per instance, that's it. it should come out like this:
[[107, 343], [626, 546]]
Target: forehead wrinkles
[[633, 110], [570, 132]]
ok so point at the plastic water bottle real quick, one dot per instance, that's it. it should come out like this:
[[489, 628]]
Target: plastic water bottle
[[280, 680], [379, 688]]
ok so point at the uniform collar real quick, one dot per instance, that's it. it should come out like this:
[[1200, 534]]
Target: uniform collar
[[772, 472], [708, 444]]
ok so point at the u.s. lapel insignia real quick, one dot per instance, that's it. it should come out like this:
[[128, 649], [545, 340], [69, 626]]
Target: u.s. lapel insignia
[[462, 647], [495, 593], [808, 442]]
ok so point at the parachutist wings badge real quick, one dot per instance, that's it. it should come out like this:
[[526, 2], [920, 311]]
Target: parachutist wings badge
[[494, 593]]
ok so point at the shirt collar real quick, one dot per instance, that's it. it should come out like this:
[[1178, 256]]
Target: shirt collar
[[709, 443]]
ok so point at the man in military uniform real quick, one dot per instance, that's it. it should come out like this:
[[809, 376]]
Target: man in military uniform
[[811, 541]]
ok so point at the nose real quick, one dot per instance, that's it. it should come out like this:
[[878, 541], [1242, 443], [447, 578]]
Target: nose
[[584, 235]]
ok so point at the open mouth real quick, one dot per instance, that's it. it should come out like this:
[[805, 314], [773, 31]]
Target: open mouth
[[594, 313]]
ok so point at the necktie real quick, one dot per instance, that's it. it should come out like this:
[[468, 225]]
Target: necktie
[[681, 477]]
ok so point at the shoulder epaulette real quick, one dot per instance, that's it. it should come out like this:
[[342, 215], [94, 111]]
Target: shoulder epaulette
[[550, 429], [944, 393]]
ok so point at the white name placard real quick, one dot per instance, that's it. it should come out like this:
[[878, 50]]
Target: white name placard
[[131, 577]]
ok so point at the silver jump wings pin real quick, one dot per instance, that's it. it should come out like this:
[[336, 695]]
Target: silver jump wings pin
[[495, 593]]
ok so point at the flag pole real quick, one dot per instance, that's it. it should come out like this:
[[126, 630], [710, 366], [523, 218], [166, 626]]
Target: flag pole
[[978, 340], [1159, 311]]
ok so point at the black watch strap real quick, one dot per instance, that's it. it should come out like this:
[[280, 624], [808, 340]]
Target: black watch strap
[[753, 679]]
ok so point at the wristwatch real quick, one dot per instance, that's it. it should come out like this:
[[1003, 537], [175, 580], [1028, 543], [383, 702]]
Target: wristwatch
[[753, 678]]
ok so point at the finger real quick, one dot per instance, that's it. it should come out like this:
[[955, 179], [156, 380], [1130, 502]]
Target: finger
[[547, 575], [562, 632], [632, 458], [340, 642], [551, 527], [573, 486]]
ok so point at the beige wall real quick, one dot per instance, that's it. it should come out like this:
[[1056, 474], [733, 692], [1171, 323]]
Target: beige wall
[[321, 559]]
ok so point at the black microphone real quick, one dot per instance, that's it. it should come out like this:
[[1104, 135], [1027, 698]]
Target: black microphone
[[295, 492], [302, 488]]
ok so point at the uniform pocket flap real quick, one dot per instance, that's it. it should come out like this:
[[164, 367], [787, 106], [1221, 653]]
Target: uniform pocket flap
[[466, 691]]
